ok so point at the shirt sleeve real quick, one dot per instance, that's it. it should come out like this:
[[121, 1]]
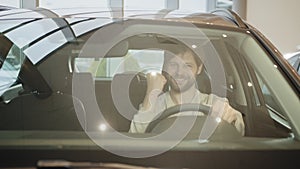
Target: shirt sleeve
[[239, 122], [143, 117], [228, 112]]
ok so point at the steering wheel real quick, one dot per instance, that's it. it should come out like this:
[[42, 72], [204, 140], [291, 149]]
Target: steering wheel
[[175, 110]]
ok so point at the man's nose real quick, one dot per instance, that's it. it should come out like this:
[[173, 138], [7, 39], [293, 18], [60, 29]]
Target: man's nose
[[183, 69]]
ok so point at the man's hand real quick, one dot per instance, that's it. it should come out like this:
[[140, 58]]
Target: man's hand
[[155, 82], [234, 117], [155, 85], [229, 114]]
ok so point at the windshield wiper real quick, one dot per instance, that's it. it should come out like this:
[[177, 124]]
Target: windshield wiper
[[63, 164]]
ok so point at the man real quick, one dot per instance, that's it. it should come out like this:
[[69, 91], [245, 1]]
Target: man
[[179, 71]]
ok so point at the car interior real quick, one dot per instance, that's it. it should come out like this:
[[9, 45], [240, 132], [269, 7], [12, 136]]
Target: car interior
[[50, 84]]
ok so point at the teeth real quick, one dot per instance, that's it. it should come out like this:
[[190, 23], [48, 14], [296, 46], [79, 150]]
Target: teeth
[[179, 80]]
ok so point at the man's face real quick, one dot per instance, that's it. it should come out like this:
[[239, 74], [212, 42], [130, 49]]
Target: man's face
[[181, 72]]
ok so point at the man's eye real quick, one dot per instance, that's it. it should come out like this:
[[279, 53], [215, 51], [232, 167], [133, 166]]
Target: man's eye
[[189, 66], [173, 65]]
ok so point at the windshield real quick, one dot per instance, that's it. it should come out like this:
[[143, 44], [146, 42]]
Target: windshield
[[90, 89]]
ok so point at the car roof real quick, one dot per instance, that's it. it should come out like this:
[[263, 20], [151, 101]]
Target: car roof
[[220, 17], [16, 22]]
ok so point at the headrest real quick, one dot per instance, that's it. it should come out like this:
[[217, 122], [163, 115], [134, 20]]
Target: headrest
[[203, 82], [118, 50]]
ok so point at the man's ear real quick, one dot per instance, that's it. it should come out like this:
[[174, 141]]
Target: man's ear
[[200, 69]]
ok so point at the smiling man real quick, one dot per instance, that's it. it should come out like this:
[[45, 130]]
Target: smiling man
[[180, 70]]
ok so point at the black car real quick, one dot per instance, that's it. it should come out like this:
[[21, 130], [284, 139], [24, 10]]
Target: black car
[[80, 76]]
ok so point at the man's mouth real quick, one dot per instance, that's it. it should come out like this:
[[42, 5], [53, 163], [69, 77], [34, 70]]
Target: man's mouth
[[180, 81]]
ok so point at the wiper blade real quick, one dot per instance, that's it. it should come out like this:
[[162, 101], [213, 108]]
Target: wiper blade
[[63, 164]]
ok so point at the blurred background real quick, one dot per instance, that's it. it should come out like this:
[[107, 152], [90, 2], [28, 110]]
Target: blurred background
[[279, 20]]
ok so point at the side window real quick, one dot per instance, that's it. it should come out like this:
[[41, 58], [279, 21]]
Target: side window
[[271, 104], [265, 116]]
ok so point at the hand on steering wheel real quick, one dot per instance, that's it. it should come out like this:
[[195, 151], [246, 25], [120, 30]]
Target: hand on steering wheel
[[175, 110]]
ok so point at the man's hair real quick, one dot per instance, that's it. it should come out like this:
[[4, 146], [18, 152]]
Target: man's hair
[[179, 50]]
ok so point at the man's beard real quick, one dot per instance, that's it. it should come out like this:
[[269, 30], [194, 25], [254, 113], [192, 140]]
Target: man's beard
[[183, 84]]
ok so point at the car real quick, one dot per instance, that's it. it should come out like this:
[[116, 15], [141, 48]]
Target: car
[[293, 59], [4, 8], [82, 76]]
